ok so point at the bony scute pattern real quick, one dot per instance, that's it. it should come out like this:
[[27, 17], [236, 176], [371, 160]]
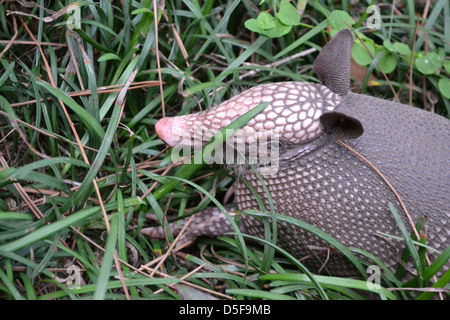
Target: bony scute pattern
[[294, 111], [323, 183]]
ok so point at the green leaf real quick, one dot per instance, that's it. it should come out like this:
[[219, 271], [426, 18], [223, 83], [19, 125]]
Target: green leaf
[[429, 63], [397, 47], [261, 25], [389, 46], [337, 18], [278, 31], [253, 25], [388, 63], [402, 48], [444, 87], [108, 56], [288, 14], [361, 55], [447, 66], [266, 21], [142, 10], [297, 43]]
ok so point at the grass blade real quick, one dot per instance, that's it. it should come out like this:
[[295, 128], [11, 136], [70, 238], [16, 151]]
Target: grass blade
[[409, 244], [107, 261], [259, 294], [48, 230], [10, 286], [326, 281], [324, 236], [186, 171]]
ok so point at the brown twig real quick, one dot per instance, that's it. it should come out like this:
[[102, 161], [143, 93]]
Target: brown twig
[[101, 90], [387, 183], [425, 50], [23, 193], [74, 131], [45, 132], [155, 16], [408, 216], [10, 42], [172, 246], [139, 270], [411, 62], [24, 42], [119, 271]]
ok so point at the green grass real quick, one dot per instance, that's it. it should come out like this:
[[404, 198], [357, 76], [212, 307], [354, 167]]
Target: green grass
[[81, 165]]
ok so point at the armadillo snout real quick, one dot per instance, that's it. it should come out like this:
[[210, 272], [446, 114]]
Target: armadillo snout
[[170, 130]]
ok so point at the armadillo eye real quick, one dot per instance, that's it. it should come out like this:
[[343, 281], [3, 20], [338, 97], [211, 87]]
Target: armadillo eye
[[274, 145]]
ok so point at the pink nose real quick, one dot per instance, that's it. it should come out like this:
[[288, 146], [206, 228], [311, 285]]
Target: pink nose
[[164, 129]]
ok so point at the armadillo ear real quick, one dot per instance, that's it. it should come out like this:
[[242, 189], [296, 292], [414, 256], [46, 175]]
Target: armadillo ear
[[341, 126], [332, 65]]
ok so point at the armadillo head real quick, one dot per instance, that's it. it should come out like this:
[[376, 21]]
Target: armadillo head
[[297, 114], [294, 111], [293, 115]]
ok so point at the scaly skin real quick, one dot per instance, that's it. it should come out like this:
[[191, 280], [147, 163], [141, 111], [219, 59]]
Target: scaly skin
[[294, 111], [321, 182]]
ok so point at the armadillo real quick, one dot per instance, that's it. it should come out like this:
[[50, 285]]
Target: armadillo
[[322, 182]]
